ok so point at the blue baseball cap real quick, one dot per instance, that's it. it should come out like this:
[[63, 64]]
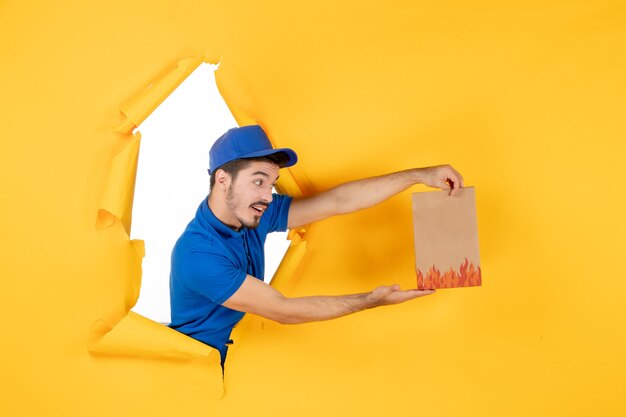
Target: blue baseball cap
[[244, 142]]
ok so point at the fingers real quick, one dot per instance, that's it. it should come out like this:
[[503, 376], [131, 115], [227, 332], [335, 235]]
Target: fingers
[[383, 292], [402, 296], [421, 293], [453, 179], [452, 186], [392, 294]]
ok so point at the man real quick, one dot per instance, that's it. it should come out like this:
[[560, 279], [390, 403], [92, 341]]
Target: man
[[218, 262]]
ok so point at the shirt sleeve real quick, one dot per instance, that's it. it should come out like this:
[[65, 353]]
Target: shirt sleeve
[[212, 275], [278, 213]]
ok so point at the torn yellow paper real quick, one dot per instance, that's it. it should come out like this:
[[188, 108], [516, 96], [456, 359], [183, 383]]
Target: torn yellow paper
[[287, 184], [141, 105], [134, 283], [284, 275], [138, 336], [525, 99], [119, 190]]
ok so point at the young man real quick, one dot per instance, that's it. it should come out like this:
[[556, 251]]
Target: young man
[[218, 262]]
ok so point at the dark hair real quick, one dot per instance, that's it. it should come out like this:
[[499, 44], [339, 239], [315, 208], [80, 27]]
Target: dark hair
[[233, 167]]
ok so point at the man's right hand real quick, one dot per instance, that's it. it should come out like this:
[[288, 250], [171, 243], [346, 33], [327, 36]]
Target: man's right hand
[[392, 294]]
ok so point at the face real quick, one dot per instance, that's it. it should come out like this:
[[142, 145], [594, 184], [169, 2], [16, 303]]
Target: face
[[250, 193]]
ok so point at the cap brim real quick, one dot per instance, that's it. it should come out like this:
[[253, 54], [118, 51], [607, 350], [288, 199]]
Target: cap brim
[[293, 158]]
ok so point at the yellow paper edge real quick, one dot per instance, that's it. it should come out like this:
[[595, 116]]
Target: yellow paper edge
[[119, 189], [138, 336], [138, 108]]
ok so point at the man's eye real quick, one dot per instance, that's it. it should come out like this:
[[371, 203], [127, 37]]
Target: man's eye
[[258, 182]]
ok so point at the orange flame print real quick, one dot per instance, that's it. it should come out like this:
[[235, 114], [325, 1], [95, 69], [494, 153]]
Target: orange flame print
[[468, 276]]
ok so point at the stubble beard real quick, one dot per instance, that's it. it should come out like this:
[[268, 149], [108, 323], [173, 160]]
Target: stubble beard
[[232, 202]]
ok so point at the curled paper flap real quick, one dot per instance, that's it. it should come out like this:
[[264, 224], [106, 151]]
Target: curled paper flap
[[230, 85], [117, 199], [134, 282], [290, 262], [137, 336], [287, 184], [296, 235], [140, 106], [139, 246]]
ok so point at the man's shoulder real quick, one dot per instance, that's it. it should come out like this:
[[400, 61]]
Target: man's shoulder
[[199, 251], [275, 219], [198, 239], [277, 197]]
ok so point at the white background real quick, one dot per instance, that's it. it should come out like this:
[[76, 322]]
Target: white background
[[172, 180]]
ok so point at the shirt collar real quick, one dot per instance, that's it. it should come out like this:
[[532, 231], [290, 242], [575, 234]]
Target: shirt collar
[[208, 219]]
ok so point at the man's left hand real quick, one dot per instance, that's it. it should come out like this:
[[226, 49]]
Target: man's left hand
[[442, 176]]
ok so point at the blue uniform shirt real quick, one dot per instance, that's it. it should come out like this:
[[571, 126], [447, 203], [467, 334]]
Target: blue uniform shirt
[[209, 263]]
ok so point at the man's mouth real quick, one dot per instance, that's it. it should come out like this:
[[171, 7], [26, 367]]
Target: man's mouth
[[259, 208]]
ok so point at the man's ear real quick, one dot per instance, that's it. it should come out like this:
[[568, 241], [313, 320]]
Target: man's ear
[[222, 179]]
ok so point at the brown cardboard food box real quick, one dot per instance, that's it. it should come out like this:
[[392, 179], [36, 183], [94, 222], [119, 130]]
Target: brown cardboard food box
[[446, 239]]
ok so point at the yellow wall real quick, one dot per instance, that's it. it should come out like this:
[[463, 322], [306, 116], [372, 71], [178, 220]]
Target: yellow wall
[[526, 100]]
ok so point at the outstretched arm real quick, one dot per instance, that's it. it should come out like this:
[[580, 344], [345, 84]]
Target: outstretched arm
[[360, 194], [255, 296]]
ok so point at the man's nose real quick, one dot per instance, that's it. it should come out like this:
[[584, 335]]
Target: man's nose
[[267, 196]]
